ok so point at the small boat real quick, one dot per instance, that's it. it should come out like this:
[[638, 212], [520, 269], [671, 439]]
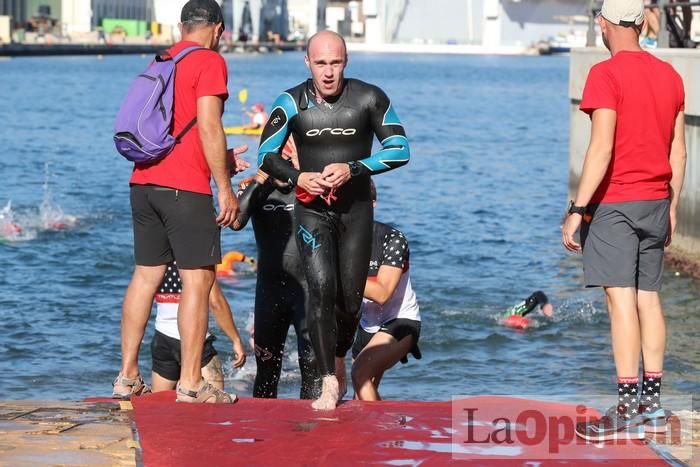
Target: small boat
[[241, 130]]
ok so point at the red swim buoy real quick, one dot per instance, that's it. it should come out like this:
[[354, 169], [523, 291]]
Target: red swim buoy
[[516, 321]]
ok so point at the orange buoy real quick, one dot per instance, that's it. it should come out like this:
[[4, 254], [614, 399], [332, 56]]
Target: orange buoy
[[229, 259]]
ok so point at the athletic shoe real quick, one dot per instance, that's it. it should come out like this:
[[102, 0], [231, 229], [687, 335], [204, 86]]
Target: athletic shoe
[[611, 426], [655, 421]]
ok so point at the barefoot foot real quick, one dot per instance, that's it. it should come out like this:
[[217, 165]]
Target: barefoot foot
[[329, 394]]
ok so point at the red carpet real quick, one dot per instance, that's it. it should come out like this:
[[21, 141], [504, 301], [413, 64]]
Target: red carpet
[[288, 432]]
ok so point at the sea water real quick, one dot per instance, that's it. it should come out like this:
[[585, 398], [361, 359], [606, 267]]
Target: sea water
[[480, 203]]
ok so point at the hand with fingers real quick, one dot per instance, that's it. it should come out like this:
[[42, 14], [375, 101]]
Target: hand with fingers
[[228, 208], [239, 356], [570, 227], [314, 183], [671, 226], [336, 174], [237, 165]]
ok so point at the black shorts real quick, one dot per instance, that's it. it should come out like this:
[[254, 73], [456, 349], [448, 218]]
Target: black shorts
[[176, 225], [398, 328], [165, 352]]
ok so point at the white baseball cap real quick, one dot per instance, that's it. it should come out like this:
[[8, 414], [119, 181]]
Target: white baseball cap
[[623, 12]]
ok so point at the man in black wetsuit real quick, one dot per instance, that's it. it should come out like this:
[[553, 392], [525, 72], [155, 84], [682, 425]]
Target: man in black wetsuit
[[279, 292], [333, 121]]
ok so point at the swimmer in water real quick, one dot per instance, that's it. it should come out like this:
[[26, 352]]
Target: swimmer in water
[[524, 308]]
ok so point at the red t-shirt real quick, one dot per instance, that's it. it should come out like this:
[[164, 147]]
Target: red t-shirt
[[201, 73], [647, 94]]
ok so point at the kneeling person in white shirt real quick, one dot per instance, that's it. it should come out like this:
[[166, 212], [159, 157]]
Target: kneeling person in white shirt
[[390, 322]]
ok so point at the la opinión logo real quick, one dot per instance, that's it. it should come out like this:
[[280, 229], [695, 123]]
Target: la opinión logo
[[534, 428]]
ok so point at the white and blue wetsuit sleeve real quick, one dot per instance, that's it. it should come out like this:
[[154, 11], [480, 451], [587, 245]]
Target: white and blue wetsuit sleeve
[[390, 132], [274, 137]]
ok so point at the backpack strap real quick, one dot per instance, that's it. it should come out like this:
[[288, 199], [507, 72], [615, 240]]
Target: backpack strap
[[182, 54], [186, 129], [186, 51]]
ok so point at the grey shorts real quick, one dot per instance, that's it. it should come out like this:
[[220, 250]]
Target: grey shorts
[[176, 225], [623, 244]]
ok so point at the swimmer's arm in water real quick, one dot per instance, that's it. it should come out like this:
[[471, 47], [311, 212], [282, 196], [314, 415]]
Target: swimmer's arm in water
[[381, 289], [224, 319], [390, 132]]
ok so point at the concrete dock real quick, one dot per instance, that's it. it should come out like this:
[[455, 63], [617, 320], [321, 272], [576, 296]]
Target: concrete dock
[[67, 433], [684, 253]]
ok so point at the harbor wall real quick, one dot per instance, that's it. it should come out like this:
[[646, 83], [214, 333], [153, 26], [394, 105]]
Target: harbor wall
[[686, 242]]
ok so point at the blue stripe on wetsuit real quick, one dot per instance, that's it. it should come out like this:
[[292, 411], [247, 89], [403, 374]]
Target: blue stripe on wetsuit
[[273, 144], [394, 152], [390, 117]]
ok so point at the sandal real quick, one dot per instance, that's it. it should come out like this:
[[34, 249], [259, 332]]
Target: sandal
[[205, 394], [137, 387]]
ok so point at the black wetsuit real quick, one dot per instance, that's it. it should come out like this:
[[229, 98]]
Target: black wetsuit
[[334, 240], [280, 291], [526, 306]]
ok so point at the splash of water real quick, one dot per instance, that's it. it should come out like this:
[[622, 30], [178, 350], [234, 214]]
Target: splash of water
[[23, 225], [51, 215], [9, 229]]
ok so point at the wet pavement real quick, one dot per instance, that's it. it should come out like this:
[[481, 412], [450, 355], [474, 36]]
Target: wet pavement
[[67, 433]]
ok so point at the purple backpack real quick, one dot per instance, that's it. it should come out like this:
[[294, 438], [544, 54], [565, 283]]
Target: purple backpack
[[142, 130]]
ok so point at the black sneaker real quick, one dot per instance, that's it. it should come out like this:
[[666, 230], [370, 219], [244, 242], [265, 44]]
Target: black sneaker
[[612, 426], [655, 418]]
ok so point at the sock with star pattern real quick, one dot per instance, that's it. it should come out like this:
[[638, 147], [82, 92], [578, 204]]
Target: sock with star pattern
[[627, 396], [651, 391]]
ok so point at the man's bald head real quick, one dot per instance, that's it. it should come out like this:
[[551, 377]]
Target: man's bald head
[[323, 40], [326, 58]]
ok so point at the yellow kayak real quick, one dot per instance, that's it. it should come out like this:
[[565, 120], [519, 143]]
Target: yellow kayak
[[241, 130]]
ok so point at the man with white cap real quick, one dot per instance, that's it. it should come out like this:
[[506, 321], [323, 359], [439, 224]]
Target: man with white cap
[[626, 206]]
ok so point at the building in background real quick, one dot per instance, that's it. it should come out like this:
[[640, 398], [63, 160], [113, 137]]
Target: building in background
[[306, 18], [15, 9], [487, 23], [137, 10], [134, 17]]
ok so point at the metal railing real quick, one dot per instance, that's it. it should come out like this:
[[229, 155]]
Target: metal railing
[[668, 21]]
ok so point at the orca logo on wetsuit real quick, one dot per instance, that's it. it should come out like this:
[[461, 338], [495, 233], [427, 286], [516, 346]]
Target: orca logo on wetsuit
[[275, 207], [332, 131]]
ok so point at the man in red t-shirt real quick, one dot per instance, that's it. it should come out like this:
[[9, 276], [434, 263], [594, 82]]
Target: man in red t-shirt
[[173, 211], [627, 200]]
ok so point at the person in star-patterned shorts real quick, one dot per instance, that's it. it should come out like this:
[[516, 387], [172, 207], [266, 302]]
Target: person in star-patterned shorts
[[165, 346]]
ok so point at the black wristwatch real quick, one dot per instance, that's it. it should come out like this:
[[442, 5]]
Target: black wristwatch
[[573, 209], [355, 168]]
